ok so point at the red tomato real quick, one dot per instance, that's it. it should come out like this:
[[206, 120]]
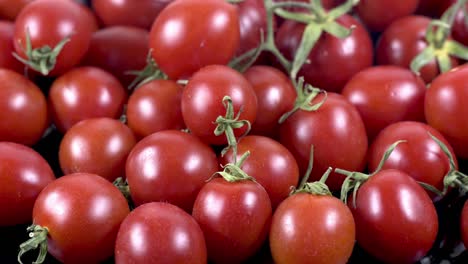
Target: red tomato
[[82, 213], [446, 110], [169, 166], [48, 22], [23, 173], [190, 34], [155, 106], [333, 61], [309, 228], [166, 234], [377, 15], [202, 101], [464, 224], [337, 132], [235, 219], [7, 60], [97, 145], [252, 19], [459, 28], [84, 93], [23, 107], [432, 8], [384, 95], [9, 9]]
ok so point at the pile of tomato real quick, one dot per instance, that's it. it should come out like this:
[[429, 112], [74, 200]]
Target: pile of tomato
[[234, 131]]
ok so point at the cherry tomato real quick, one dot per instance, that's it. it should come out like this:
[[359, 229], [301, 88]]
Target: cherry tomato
[[337, 132], [384, 95], [309, 228], [235, 219], [169, 166], [275, 94], [270, 163], [23, 109], [82, 213], [97, 145], [23, 173], [44, 21], [155, 106], [118, 50], [459, 28], [7, 60], [9, 9], [377, 15], [432, 8], [166, 234], [464, 224], [202, 101], [333, 61], [190, 34], [84, 93], [252, 19]]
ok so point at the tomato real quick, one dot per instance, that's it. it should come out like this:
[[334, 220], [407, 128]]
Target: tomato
[[459, 28], [97, 145], [23, 173], [43, 20], [235, 219], [170, 166], [399, 47], [377, 15], [252, 19], [384, 95], [396, 220], [270, 163], [118, 50], [155, 106], [82, 213], [140, 13], [83, 93], [337, 132], [7, 60], [275, 94], [309, 228], [432, 8], [464, 224], [23, 109], [190, 34], [166, 234], [202, 101], [446, 110], [333, 61], [9, 9]]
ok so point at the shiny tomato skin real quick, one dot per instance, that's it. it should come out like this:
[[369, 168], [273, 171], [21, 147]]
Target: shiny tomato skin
[[310, 228], [82, 213], [155, 106], [45, 20], [275, 96], [7, 61], [24, 115], [190, 34], [377, 15], [389, 207], [337, 132], [170, 166], [202, 101], [459, 28], [464, 224], [167, 234], [384, 95], [270, 163], [96, 145], [235, 218], [23, 173], [252, 19], [333, 61], [118, 50], [446, 109], [9, 9], [84, 93]]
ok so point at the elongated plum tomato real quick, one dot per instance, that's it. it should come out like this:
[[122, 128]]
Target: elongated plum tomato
[[166, 234], [7, 61], [446, 110], [190, 34], [23, 107], [96, 145], [170, 166], [464, 224], [377, 15], [202, 101], [48, 22], [23, 173], [82, 213]]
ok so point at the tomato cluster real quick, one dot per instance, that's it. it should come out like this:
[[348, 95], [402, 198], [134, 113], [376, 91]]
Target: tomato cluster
[[233, 131]]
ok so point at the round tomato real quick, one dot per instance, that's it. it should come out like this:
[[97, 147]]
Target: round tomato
[[9, 9], [7, 61], [464, 224], [166, 234], [377, 15], [23, 109], [253, 23], [84, 93], [190, 34]]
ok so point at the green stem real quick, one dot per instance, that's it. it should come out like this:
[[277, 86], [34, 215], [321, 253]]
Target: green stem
[[38, 238]]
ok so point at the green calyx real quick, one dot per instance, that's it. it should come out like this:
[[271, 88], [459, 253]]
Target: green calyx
[[149, 73], [232, 172], [38, 238], [123, 187]]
